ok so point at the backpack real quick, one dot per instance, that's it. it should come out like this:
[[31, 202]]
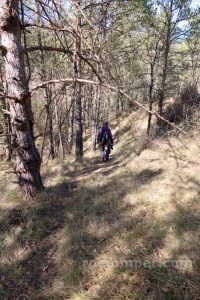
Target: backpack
[[105, 136]]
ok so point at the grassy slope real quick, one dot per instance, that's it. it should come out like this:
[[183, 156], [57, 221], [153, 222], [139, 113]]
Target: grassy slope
[[128, 229]]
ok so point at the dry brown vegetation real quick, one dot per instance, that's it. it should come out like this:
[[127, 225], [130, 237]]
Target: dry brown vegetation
[[128, 229]]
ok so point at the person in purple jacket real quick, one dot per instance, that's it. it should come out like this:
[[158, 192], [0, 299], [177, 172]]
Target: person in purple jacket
[[106, 141]]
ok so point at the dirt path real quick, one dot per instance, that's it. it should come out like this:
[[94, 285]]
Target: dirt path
[[28, 259], [82, 238]]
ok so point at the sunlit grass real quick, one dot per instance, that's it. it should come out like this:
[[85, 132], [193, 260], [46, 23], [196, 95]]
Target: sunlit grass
[[75, 240]]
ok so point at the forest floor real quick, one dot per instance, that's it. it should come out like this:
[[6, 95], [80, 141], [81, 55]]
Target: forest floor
[[126, 229]]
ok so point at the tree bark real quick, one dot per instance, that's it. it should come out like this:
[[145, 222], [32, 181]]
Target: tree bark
[[150, 99], [47, 101], [6, 120], [96, 111], [152, 84], [49, 124], [71, 129], [46, 90], [27, 164], [77, 92], [7, 132], [59, 128], [167, 45]]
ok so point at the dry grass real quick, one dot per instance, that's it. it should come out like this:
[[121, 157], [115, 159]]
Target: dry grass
[[128, 229]]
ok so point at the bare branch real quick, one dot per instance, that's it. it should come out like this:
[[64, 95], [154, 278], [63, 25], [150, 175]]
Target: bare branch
[[67, 51], [114, 89]]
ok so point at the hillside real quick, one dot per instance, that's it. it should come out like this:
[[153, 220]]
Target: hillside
[[126, 229]]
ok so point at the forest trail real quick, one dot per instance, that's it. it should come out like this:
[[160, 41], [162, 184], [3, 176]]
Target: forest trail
[[30, 231], [126, 229], [84, 229]]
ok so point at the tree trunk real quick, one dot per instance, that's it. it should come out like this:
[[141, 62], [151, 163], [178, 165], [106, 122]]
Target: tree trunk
[[150, 107], [163, 82], [49, 124], [59, 128], [78, 119], [27, 164], [151, 87], [84, 100], [167, 45], [6, 130], [94, 119], [77, 92], [96, 111], [6, 121], [71, 128], [46, 90]]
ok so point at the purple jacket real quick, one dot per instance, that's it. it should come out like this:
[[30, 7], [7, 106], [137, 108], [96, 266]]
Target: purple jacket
[[106, 129]]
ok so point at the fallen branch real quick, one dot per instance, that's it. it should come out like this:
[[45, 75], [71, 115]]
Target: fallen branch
[[112, 88]]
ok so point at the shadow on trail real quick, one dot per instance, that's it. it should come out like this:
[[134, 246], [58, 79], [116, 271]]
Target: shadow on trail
[[96, 166], [29, 266], [178, 155], [66, 233], [97, 217], [143, 273], [26, 261]]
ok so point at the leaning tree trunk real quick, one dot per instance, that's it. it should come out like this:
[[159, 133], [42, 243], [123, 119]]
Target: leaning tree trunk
[[27, 164]]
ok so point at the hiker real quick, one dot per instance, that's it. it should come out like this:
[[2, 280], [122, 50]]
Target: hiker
[[106, 141]]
